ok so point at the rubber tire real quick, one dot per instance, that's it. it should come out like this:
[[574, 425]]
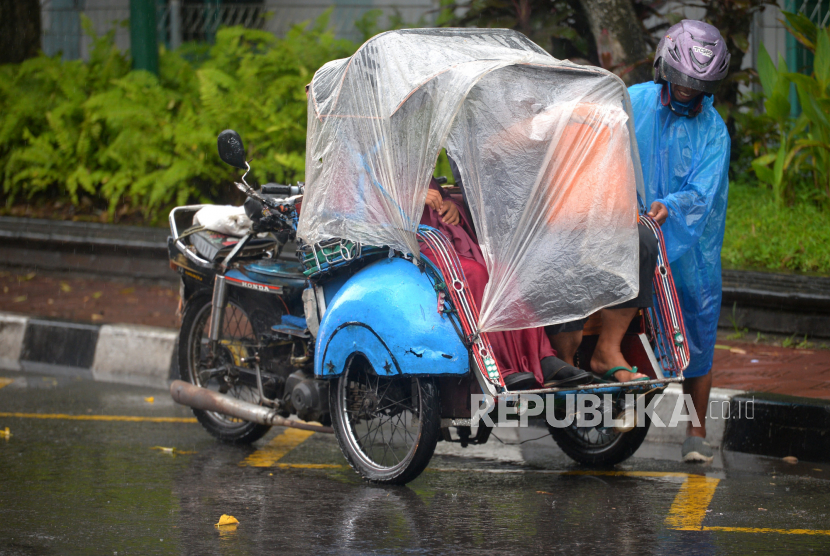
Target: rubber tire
[[430, 431], [244, 434], [620, 450]]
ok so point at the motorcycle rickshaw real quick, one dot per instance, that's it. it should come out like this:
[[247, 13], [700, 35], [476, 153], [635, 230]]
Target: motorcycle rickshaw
[[551, 175]]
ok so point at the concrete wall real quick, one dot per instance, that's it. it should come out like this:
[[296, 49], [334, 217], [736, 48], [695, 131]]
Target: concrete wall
[[62, 31], [346, 12]]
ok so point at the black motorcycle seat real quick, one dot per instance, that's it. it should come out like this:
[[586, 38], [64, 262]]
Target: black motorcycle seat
[[214, 246]]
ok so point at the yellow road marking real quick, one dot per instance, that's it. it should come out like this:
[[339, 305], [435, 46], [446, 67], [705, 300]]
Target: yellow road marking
[[647, 474], [765, 530], [690, 505], [280, 445], [127, 418], [5, 381], [641, 474], [309, 466]]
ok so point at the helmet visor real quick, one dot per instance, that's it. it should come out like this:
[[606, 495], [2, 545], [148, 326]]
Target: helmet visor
[[676, 77]]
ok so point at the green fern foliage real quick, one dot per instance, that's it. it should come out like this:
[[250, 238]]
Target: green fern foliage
[[131, 138]]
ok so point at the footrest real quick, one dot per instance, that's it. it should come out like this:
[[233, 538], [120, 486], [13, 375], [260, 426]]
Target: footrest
[[294, 326]]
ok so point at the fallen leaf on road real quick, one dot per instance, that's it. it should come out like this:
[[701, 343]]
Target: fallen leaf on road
[[543, 492], [790, 459], [227, 520], [25, 277], [96, 317], [737, 350], [65, 287], [127, 291], [762, 509], [5, 289], [20, 298], [151, 399], [96, 295], [163, 449], [5, 433]]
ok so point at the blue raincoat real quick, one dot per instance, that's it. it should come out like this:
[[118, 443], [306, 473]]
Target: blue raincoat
[[685, 166]]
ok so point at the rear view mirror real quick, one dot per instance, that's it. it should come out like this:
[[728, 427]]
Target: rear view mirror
[[231, 150]]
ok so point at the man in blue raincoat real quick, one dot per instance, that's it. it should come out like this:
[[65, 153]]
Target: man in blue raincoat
[[684, 149]]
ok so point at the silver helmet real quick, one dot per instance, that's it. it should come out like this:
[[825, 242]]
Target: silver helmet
[[692, 54]]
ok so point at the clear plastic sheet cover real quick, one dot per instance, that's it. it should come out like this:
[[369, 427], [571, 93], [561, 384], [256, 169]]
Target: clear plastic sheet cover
[[545, 149]]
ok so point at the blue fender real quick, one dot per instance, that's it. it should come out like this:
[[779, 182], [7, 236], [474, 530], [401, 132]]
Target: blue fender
[[387, 312]]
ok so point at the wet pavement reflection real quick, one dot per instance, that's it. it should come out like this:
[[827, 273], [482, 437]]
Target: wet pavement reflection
[[71, 485]]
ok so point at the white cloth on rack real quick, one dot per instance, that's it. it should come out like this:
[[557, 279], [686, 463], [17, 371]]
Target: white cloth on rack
[[224, 219]]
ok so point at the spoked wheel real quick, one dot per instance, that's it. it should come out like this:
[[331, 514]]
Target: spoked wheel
[[387, 427], [224, 370], [599, 446]]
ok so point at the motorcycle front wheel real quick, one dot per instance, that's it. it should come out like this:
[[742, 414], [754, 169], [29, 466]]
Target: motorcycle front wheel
[[238, 340], [387, 427]]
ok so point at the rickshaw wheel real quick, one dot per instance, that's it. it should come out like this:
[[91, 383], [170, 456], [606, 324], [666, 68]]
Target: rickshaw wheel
[[599, 446], [387, 427]]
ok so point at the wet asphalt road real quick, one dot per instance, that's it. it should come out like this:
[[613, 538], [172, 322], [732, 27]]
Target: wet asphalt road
[[73, 484]]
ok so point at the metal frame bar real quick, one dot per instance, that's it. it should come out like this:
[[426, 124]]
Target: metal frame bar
[[217, 311], [583, 388]]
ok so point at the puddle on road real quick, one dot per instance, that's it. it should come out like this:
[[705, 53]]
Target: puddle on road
[[100, 489]]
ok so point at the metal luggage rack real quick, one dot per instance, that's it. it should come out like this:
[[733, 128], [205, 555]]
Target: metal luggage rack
[[323, 257], [180, 218]]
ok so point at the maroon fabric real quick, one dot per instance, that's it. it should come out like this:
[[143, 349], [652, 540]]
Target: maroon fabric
[[461, 235], [517, 350]]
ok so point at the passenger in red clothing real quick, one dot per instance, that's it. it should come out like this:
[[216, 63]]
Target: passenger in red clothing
[[525, 357]]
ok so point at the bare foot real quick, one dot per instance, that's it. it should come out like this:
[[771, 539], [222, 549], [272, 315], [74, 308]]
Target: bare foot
[[604, 360]]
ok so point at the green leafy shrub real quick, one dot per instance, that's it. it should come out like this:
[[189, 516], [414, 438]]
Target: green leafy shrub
[[129, 137], [761, 234], [803, 150]]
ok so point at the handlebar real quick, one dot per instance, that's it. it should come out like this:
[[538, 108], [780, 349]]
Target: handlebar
[[277, 189], [271, 214]]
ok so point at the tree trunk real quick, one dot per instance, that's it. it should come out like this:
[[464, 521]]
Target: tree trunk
[[734, 21], [19, 30], [619, 35]]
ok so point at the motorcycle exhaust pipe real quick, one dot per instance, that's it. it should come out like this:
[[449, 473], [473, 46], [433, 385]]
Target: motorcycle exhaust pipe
[[208, 400]]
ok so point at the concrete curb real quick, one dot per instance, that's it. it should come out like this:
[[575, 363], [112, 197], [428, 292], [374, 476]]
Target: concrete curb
[[759, 423], [128, 354], [776, 425]]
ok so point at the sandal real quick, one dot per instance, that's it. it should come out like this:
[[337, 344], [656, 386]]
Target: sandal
[[521, 381], [609, 375], [559, 374]]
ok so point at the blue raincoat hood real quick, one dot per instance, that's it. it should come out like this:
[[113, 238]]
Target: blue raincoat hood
[[685, 165]]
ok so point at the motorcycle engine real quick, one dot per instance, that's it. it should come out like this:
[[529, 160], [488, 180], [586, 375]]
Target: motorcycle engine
[[307, 397]]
